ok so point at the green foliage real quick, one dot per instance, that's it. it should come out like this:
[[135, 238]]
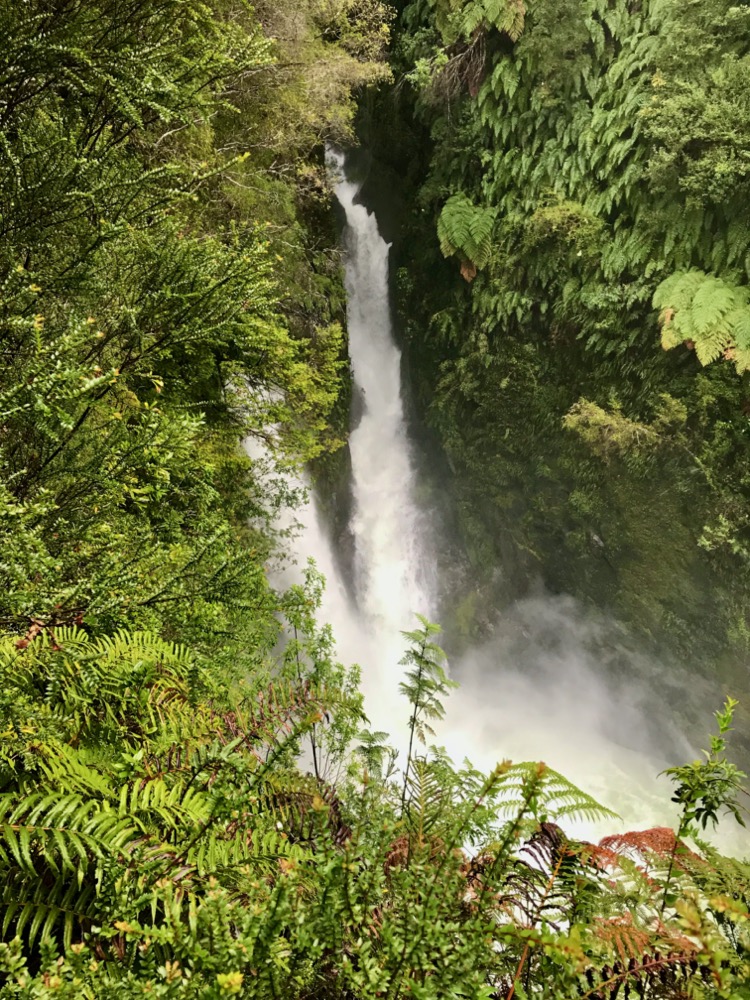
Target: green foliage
[[601, 156], [460, 19], [309, 657], [705, 787], [327, 50], [126, 775], [143, 320], [426, 681], [424, 685], [503, 15], [466, 230], [81, 686], [612, 436], [184, 809], [159, 837], [710, 314], [609, 433]]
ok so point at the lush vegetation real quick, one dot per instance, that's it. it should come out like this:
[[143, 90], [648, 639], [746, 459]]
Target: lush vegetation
[[157, 838], [576, 174], [189, 807]]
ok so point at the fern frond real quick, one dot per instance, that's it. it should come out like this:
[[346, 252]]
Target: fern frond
[[130, 680], [552, 881], [35, 909], [425, 798], [555, 797], [707, 313], [466, 229], [51, 844]]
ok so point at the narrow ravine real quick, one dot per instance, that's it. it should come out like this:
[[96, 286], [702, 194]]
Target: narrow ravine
[[543, 696], [394, 564], [394, 561]]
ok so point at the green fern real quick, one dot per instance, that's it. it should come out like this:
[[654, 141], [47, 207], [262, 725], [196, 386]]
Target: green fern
[[707, 313], [462, 19], [52, 846], [466, 229], [130, 681], [426, 798], [537, 789], [507, 16]]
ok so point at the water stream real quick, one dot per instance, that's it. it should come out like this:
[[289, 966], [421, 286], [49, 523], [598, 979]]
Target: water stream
[[543, 699], [393, 564]]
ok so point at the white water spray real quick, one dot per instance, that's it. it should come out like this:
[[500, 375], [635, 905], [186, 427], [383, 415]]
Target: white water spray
[[394, 563], [554, 705]]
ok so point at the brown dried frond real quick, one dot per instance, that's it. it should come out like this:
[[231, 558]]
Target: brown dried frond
[[465, 68], [547, 843], [666, 317], [404, 847], [539, 883], [468, 270], [654, 975], [306, 810], [656, 840], [35, 628], [398, 854], [603, 858], [177, 759], [620, 934], [639, 844], [269, 717], [474, 870], [678, 943]]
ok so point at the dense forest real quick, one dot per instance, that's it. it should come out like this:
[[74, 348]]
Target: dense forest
[[191, 802], [577, 175]]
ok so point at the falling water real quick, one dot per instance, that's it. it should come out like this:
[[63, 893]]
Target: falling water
[[548, 701], [394, 566], [393, 561]]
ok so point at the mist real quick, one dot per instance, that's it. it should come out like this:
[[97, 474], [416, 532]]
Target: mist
[[554, 681]]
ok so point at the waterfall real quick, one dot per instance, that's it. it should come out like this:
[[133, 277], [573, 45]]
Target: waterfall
[[394, 563], [535, 691]]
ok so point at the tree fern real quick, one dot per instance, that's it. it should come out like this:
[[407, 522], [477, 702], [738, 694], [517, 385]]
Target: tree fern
[[708, 313], [462, 19], [535, 788], [507, 16], [465, 229]]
